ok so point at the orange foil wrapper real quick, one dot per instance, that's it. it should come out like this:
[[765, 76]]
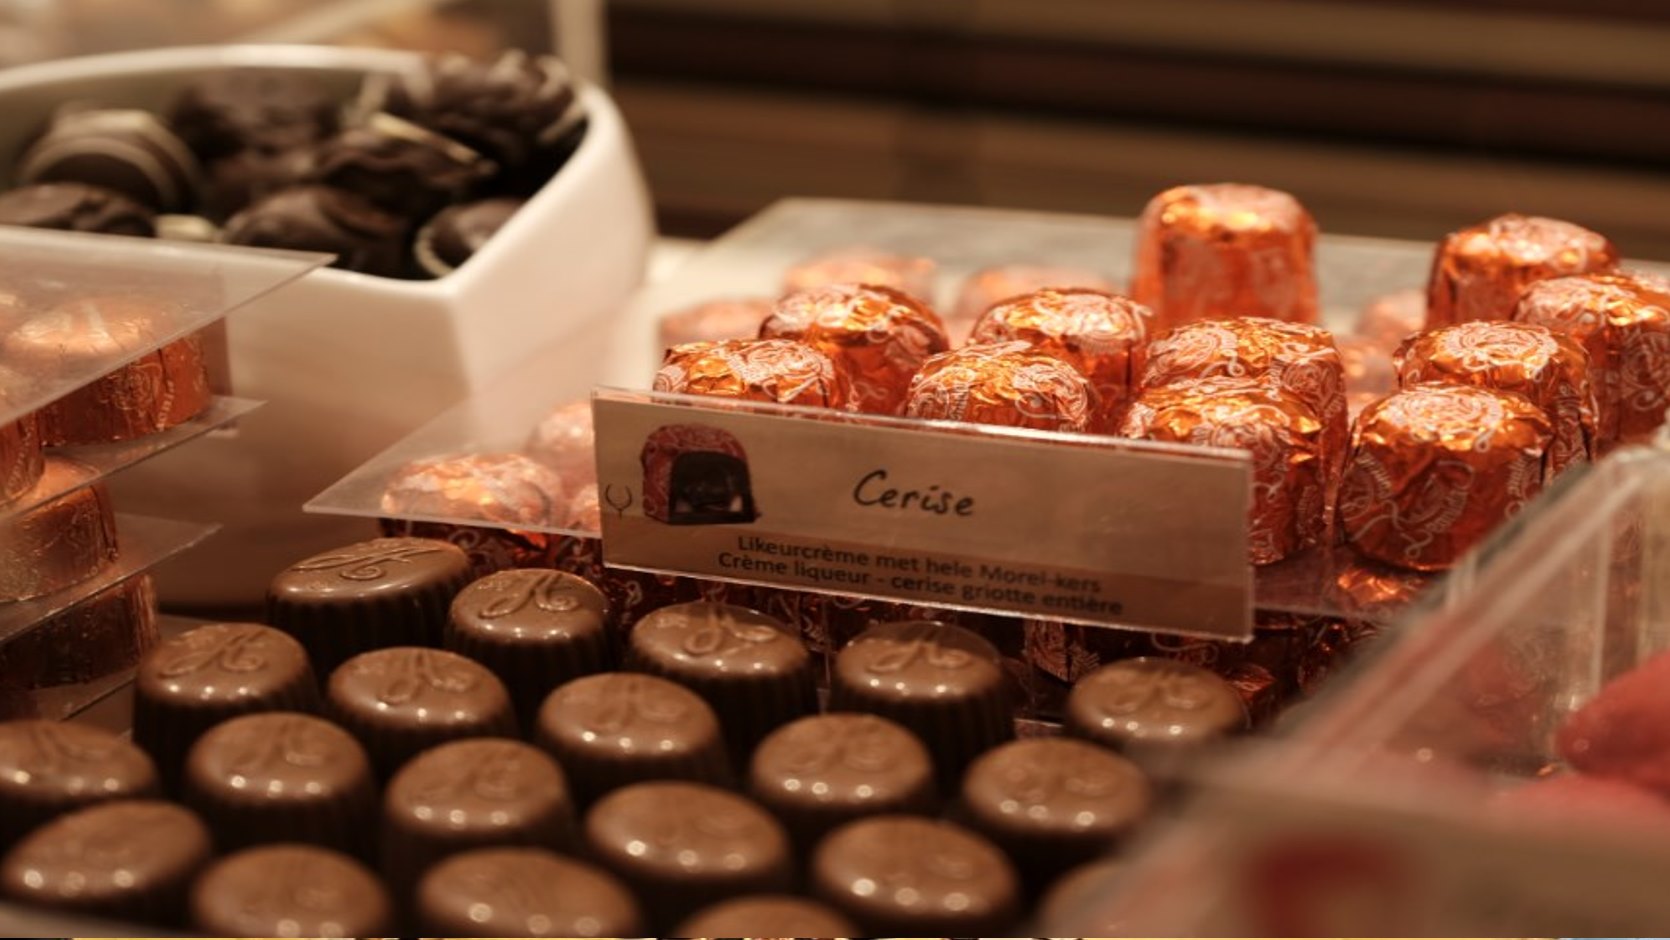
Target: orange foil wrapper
[[860, 265], [509, 489], [564, 442], [1546, 367], [21, 459], [1434, 468], [1623, 323], [715, 320], [1280, 430], [1369, 372], [1479, 272], [63, 541], [877, 337], [770, 370], [1100, 335], [1226, 250], [1390, 319], [1008, 384], [985, 288]]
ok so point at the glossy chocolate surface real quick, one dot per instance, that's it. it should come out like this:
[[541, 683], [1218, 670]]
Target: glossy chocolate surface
[[819, 772], [536, 628], [364, 237], [907, 875], [1150, 701], [521, 892], [779, 915], [126, 150], [456, 233], [405, 699], [290, 890], [52, 767]]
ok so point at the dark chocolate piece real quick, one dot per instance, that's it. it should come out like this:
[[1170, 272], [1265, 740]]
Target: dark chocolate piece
[[366, 596], [536, 628], [234, 183], [617, 728], [1052, 803], [456, 233], [363, 237], [98, 637], [290, 890], [22, 460], [751, 668], [76, 207], [403, 168], [820, 772], [48, 768], [780, 915], [122, 149], [908, 875], [1071, 905], [943, 682], [682, 846], [521, 892], [128, 859], [61, 542], [1149, 702], [227, 111], [405, 699], [282, 777], [472, 794], [209, 674]]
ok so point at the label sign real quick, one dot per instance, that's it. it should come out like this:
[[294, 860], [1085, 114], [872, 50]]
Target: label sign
[[1057, 527]]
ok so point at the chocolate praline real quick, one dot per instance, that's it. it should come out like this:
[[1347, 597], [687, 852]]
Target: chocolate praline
[[457, 233], [897, 875], [290, 890], [234, 183], [522, 892], [399, 166], [98, 637], [363, 237], [229, 110], [1148, 702], [403, 700], [780, 915], [122, 149], [470, 488], [76, 207], [48, 768], [565, 442], [61, 542]]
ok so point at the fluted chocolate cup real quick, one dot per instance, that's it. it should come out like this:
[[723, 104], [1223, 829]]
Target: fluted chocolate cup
[[753, 669], [280, 890], [21, 459], [896, 875], [367, 596], [99, 636], [618, 728], [942, 682], [211, 673], [48, 768], [524, 892], [472, 794], [536, 628], [406, 699], [282, 777], [61, 542]]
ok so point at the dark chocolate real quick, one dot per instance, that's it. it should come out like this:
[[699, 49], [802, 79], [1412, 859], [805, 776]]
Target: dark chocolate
[[227, 111], [76, 207], [122, 149], [779, 915], [234, 183], [898, 875], [363, 237], [48, 768], [456, 233], [1150, 702], [522, 892], [399, 166], [405, 699], [98, 637], [290, 890]]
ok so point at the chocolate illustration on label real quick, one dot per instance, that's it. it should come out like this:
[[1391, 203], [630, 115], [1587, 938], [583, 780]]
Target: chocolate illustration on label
[[546, 590], [872, 490], [370, 565], [227, 649], [415, 672]]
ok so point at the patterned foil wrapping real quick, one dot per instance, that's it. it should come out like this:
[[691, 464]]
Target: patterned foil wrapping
[[21, 459], [564, 442], [861, 265], [878, 337], [492, 488], [714, 320], [104, 633], [1479, 272], [987, 287], [1009, 384], [1390, 319], [770, 370], [1281, 431], [632, 594], [489, 550], [1100, 335], [155, 392], [63, 541], [1370, 374], [1434, 468], [1548, 368], [1623, 322], [1225, 250], [585, 511]]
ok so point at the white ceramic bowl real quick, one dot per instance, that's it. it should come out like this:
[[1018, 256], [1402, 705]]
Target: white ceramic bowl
[[347, 362]]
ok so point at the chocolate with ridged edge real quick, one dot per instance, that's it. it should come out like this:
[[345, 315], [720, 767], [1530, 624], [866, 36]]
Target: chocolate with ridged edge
[[943, 682], [363, 237], [617, 728], [908, 875], [399, 166], [282, 777], [128, 859], [226, 111], [682, 846], [284, 890], [48, 768], [22, 461], [472, 794], [98, 637], [456, 233], [406, 699], [61, 542], [536, 628], [1150, 702], [76, 207], [751, 668], [122, 149], [366, 596], [522, 892], [209, 674], [825, 770], [776, 914]]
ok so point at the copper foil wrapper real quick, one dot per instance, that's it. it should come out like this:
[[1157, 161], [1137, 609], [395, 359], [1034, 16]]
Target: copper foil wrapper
[[585, 512], [1623, 323], [1390, 319], [107, 632], [61, 542], [1548, 368], [878, 337], [1370, 374], [1100, 335], [782, 371], [861, 265], [21, 459], [1434, 468], [565, 442], [1479, 272], [1225, 250], [714, 320], [502, 488], [987, 287], [1008, 384], [1282, 432]]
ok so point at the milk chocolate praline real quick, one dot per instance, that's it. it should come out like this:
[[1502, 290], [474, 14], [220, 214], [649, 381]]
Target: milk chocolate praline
[[62, 541], [366, 596], [402, 700], [1479, 272], [1009, 384], [776, 914], [777, 371], [48, 768], [76, 207], [284, 890], [1148, 702], [896, 875], [523, 892]]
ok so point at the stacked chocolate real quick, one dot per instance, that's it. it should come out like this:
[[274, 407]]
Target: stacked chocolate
[[408, 178]]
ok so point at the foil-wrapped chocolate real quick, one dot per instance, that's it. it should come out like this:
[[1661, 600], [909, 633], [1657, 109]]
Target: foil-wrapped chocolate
[[769, 370], [1548, 368], [988, 287], [564, 441], [1479, 272], [1434, 468], [1370, 374], [1623, 322], [1099, 334], [63, 541], [861, 265], [504, 488], [714, 320], [1390, 318], [98, 637], [1280, 430], [1225, 250], [585, 510], [21, 459], [1009, 384], [879, 337], [126, 150]]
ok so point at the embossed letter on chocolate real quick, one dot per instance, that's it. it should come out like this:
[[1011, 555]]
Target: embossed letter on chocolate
[[51, 767], [405, 699], [1151, 701], [521, 892], [290, 889], [60, 542], [908, 875]]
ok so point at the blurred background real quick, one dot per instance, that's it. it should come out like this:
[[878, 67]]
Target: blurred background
[[1387, 117]]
